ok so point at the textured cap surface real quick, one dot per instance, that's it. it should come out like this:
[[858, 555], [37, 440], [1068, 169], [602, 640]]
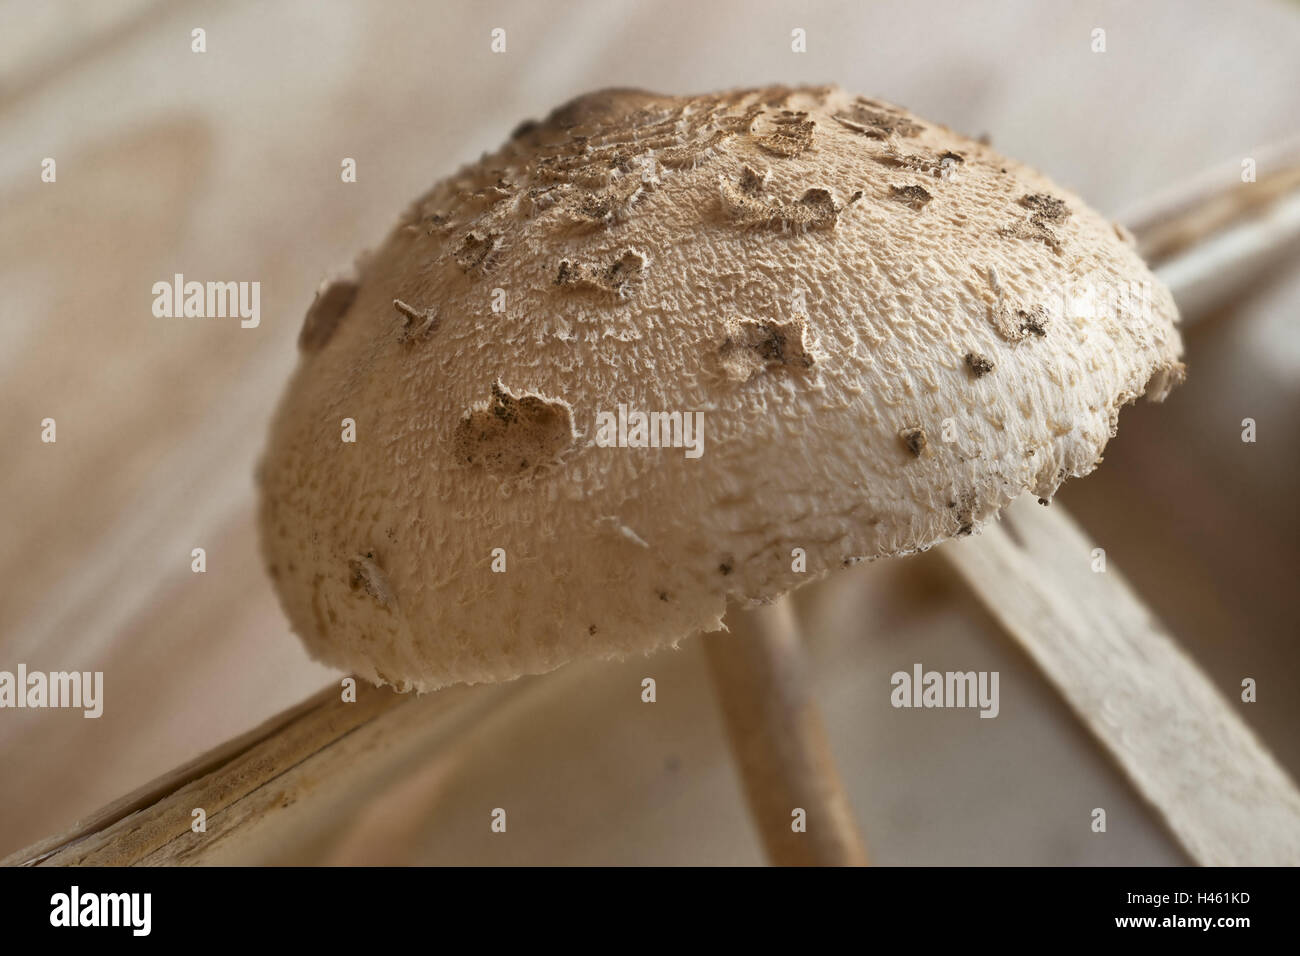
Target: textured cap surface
[[888, 332]]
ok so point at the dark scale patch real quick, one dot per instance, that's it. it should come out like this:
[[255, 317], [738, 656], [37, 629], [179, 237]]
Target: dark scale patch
[[1046, 213], [876, 120], [751, 346], [914, 196], [326, 312], [725, 567], [471, 201], [694, 154], [963, 514], [752, 182], [619, 277], [1016, 324], [1045, 208], [926, 163], [1033, 233], [815, 209], [432, 224], [538, 199], [608, 205], [477, 250], [511, 435], [978, 364], [739, 123], [791, 135], [914, 440]]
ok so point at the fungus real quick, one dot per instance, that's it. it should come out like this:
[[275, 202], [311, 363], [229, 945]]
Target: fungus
[[793, 460]]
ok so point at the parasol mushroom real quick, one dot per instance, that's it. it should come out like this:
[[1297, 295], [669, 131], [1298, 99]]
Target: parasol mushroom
[[848, 333]]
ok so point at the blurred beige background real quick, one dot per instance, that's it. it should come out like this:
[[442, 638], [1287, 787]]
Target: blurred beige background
[[226, 165]]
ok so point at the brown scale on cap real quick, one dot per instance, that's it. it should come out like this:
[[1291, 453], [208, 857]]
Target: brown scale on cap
[[791, 452], [815, 209], [514, 434], [609, 205], [1016, 324], [931, 164], [1046, 213], [914, 196], [691, 155], [751, 346], [619, 277], [475, 253], [752, 181], [877, 120], [791, 135]]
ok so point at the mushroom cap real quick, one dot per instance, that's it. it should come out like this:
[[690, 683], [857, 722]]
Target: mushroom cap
[[888, 331]]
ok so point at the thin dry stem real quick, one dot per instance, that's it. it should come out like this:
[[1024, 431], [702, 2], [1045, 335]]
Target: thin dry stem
[[779, 741]]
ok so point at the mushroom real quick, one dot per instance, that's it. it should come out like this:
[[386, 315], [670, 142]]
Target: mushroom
[[660, 360]]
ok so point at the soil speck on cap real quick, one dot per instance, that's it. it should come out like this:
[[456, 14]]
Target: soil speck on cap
[[1032, 322], [978, 364], [510, 434], [913, 439], [325, 313]]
